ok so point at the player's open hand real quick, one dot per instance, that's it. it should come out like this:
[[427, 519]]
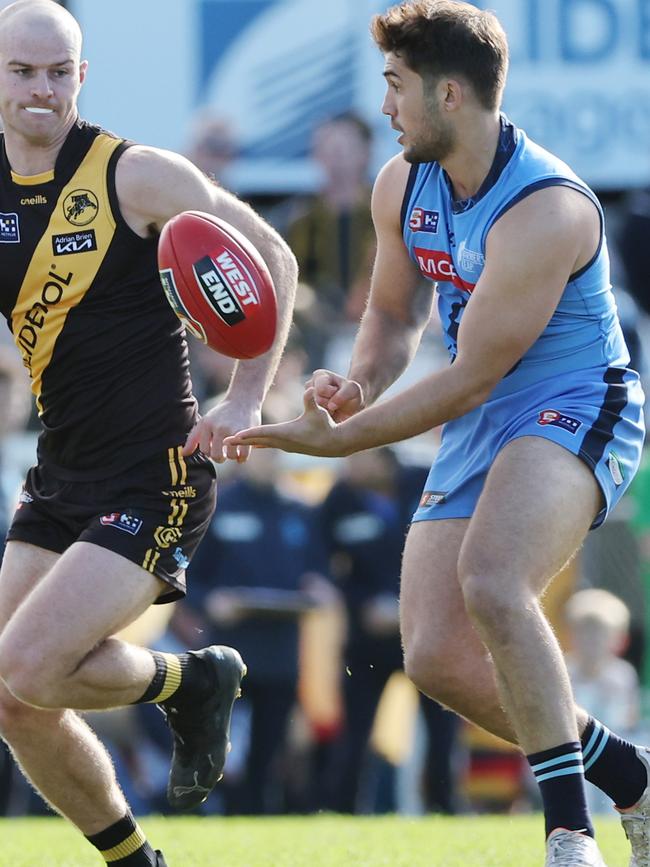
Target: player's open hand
[[341, 397], [312, 433], [211, 430]]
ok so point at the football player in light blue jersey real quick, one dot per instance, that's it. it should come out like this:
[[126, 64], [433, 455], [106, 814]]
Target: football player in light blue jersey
[[543, 417]]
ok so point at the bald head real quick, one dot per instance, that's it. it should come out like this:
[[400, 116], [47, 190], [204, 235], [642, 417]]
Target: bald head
[[30, 21]]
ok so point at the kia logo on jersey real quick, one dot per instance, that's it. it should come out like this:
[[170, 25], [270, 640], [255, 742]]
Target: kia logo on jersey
[[424, 221]]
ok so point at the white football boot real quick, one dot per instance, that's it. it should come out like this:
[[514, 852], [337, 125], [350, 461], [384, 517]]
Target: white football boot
[[572, 849], [636, 820]]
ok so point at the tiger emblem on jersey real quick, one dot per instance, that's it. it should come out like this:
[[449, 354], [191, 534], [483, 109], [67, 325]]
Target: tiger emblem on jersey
[[80, 207]]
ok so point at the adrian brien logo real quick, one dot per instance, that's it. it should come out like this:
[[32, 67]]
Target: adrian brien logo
[[74, 242], [80, 207]]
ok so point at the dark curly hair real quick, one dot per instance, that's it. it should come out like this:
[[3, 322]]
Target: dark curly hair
[[444, 37]]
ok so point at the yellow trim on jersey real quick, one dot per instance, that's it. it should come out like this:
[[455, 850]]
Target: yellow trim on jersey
[[32, 180], [173, 677], [53, 286], [127, 847]]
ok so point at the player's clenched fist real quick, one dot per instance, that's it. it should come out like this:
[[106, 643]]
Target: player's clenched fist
[[341, 397]]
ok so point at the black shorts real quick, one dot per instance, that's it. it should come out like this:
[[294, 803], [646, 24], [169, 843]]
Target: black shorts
[[154, 514]]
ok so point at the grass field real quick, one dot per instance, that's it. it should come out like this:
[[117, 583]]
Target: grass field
[[322, 841]]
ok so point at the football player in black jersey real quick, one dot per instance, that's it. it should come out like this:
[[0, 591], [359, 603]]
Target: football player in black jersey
[[124, 487]]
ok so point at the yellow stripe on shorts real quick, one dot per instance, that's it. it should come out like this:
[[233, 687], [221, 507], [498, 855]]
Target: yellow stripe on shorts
[[173, 471], [178, 513], [127, 847], [183, 512], [150, 559], [175, 510], [182, 465]]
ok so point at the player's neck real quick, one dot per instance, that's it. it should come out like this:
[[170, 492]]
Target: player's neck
[[468, 165], [28, 157]]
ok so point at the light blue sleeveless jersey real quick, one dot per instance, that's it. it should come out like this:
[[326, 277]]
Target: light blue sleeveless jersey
[[573, 385]]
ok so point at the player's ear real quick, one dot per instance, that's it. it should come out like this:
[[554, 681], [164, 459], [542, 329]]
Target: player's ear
[[83, 68], [452, 94]]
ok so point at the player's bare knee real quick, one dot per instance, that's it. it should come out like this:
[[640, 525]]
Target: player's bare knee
[[29, 678], [432, 670], [17, 719], [26, 690], [490, 600]]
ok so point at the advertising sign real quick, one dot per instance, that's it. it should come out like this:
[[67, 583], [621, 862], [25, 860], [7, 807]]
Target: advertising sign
[[579, 80]]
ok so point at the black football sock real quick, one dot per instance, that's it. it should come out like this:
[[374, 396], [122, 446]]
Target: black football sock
[[612, 764], [124, 844], [178, 675], [560, 776]]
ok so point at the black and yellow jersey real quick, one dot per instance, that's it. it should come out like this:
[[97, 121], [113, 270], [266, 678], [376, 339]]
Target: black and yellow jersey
[[81, 293]]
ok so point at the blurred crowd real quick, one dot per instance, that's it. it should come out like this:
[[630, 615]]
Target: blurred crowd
[[300, 566]]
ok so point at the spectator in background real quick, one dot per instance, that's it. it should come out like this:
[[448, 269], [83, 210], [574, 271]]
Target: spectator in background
[[364, 520], [213, 145], [258, 569], [599, 625], [332, 235]]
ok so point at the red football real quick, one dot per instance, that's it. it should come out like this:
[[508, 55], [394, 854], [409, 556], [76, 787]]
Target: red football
[[218, 284]]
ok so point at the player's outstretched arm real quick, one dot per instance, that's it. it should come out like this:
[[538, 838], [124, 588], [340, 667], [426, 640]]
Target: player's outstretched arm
[[530, 254], [400, 300], [153, 186], [398, 309]]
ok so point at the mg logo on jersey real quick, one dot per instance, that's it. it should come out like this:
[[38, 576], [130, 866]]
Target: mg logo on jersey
[[438, 265], [424, 221]]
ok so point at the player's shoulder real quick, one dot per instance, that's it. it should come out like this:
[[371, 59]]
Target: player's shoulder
[[143, 169], [550, 212], [394, 173], [144, 160], [389, 188]]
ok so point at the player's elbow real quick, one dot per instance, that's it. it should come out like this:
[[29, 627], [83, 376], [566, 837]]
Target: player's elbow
[[291, 265], [280, 259], [476, 382], [474, 393]]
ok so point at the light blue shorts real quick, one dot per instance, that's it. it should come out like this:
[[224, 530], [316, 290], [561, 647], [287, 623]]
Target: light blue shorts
[[599, 418]]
